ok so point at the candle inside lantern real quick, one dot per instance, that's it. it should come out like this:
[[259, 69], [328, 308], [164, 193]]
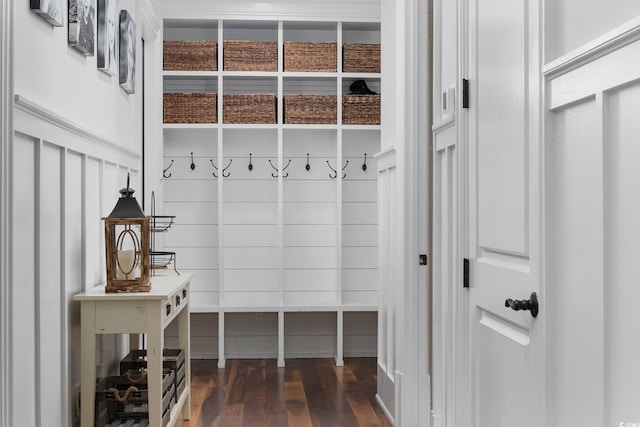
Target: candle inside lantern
[[126, 269]]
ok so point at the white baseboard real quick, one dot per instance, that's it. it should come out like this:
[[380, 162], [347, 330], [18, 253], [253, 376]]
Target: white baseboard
[[384, 408]]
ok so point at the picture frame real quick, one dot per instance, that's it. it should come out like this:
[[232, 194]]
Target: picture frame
[[127, 52], [82, 26], [108, 36], [51, 11]]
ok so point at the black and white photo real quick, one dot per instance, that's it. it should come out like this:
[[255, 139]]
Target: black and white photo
[[50, 10], [127, 52], [108, 35], [82, 25]]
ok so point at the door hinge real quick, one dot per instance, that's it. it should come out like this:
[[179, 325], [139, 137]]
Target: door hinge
[[423, 259], [465, 93], [465, 273]]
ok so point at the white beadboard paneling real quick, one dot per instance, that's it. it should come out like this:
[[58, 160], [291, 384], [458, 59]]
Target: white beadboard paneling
[[249, 213], [319, 143], [315, 298], [192, 212], [309, 280], [94, 227], [309, 213], [251, 347], [309, 235], [310, 32], [181, 167], [203, 280], [73, 256], [190, 190], [356, 142], [180, 142], [51, 303], [25, 323], [310, 191], [262, 143], [183, 235], [309, 257], [360, 191], [203, 347], [360, 235], [250, 235], [238, 169], [359, 213], [360, 298], [204, 299], [360, 323], [251, 258], [251, 191], [314, 324], [111, 188], [360, 279], [196, 258], [251, 280], [318, 169], [252, 299], [301, 346], [360, 257]]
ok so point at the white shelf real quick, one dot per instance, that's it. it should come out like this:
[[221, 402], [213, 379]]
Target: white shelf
[[322, 271]]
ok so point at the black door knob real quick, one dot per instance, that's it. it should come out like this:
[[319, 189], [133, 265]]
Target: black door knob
[[531, 304]]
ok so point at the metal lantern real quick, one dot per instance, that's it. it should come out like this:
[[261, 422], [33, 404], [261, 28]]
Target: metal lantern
[[127, 245]]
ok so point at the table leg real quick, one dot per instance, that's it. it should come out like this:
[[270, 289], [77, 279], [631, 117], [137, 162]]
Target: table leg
[[88, 363]]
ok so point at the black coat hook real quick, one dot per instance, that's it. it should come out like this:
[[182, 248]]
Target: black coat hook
[[335, 172], [364, 165], [193, 165], [164, 172], [308, 166], [223, 170], [250, 167], [283, 169]]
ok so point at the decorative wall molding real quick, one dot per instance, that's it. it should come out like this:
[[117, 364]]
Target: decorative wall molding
[[304, 10], [6, 129], [150, 19], [49, 116], [613, 40], [386, 159]]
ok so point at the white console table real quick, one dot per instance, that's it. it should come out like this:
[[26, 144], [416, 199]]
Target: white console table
[[137, 313]]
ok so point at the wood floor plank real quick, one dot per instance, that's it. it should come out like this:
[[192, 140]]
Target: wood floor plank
[[307, 392], [297, 408]]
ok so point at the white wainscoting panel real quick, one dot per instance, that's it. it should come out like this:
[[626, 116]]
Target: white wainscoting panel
[[59, 196]]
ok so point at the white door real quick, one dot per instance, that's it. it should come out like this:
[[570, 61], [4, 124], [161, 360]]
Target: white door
[[504, 227], [592, 181]]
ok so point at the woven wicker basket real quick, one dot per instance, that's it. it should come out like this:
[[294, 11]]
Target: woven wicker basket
[[310, 109], [361, 58], [256, 108], [190, 55], [250, 55], [190, 108], [310, 56], [361, 110]]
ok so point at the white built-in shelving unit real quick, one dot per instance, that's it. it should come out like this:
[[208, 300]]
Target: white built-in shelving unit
[[275, 238]]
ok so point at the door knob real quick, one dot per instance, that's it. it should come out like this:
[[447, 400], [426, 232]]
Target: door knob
[[531, 304]]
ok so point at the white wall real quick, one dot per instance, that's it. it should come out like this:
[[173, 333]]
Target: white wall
[[572, 23], [73, 135], [404, 168]]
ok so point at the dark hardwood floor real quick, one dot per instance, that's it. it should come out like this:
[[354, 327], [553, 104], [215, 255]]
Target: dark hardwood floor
[[307, 392]]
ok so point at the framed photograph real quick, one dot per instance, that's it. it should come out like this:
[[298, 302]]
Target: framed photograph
[[127, 52], [82, 25], [108, 36], [51, 11]]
